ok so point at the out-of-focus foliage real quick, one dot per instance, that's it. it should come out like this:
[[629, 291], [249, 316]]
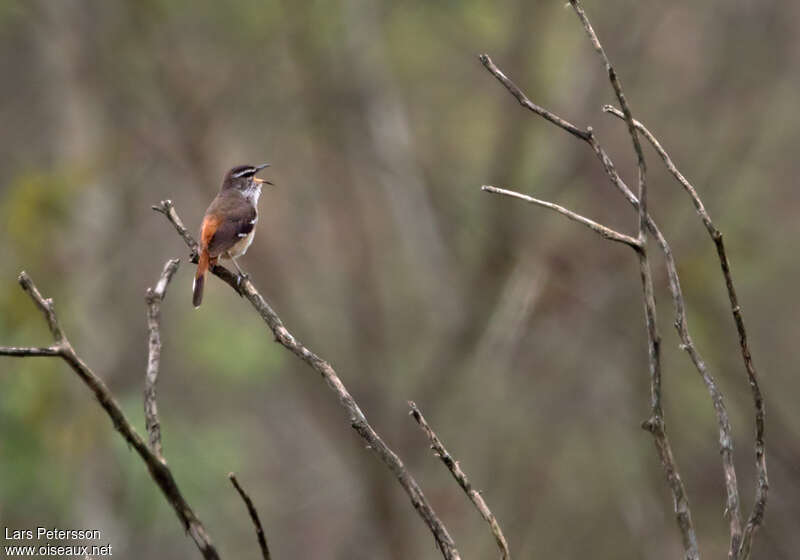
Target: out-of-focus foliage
[[518, 334]]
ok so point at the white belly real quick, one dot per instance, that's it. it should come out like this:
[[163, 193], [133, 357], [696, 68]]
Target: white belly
[[240, 247]]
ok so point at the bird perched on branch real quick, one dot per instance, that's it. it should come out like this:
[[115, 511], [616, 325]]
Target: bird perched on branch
[[229, 224]]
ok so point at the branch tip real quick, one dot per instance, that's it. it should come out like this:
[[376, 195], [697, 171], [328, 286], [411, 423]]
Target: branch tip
[[455, 469], [251, 509]]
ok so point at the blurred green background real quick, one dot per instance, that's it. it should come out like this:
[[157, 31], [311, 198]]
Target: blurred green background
[[520, 335]]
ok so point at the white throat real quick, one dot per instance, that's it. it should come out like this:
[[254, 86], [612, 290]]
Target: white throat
[[252, 193]]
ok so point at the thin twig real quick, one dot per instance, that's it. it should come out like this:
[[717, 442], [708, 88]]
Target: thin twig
[[762, 481], [251, 509], [679, 496], [637, 146], [154, 297], [655, 424], [600, 229], [158, 469], [656, 428], [527, 103], [357, 419], [168, 209], [461, 477], [25, 352]]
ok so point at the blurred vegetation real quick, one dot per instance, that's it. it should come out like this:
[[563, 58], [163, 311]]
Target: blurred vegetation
[[518, 334]]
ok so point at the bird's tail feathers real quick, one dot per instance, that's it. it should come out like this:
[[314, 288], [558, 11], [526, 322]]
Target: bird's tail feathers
[[199, 279]]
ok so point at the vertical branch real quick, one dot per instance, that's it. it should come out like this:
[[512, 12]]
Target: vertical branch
[[461, 477], [732, 509], [655, 424], [762, 481], [154, 297], [251, 509], [615, 83]]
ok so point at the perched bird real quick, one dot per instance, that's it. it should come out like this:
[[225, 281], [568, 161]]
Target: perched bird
[[229, 224]]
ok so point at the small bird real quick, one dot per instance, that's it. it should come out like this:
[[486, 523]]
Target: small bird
[[229, 224]]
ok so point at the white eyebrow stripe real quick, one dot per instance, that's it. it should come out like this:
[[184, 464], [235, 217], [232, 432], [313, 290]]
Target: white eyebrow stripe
[[243, 172]]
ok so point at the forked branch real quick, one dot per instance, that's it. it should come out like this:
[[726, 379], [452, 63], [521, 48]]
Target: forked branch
[[157, 467], [655, 424], [356, 417], [762, 481]]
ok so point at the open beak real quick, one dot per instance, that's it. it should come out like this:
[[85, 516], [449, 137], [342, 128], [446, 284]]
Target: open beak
[[262, 181]]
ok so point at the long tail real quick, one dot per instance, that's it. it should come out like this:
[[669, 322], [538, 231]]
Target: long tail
[[200, 278]]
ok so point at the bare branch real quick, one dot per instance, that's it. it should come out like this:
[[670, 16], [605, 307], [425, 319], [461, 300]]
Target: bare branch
[[45, 305], [158, 469], [600, 229], [687, 344], [637, 146], [27, 352], [357, 419], [168, 209], [251, 509], [527, 103], [762, 483], [154, 297], [655, 424], [461, 477]]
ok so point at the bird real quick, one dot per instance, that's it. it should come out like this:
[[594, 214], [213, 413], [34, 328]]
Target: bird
[[229, 223]]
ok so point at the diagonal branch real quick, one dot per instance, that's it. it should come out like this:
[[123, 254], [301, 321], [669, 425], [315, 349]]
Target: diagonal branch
[[600, 229], [157, 467], [762, 483], [637, 146], [655, 425], [461, 477], [358, 421], [251, 509], [527, 103], [154, 297]]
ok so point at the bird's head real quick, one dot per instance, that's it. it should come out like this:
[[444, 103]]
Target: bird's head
[[243, 179]]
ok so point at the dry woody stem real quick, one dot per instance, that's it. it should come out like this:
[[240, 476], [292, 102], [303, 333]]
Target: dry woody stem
[[153, 297], [762, 482], [157, 467], [358, 421], [461, 477], [600, 229], [740, 541], [251, 509], [655, 424]]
